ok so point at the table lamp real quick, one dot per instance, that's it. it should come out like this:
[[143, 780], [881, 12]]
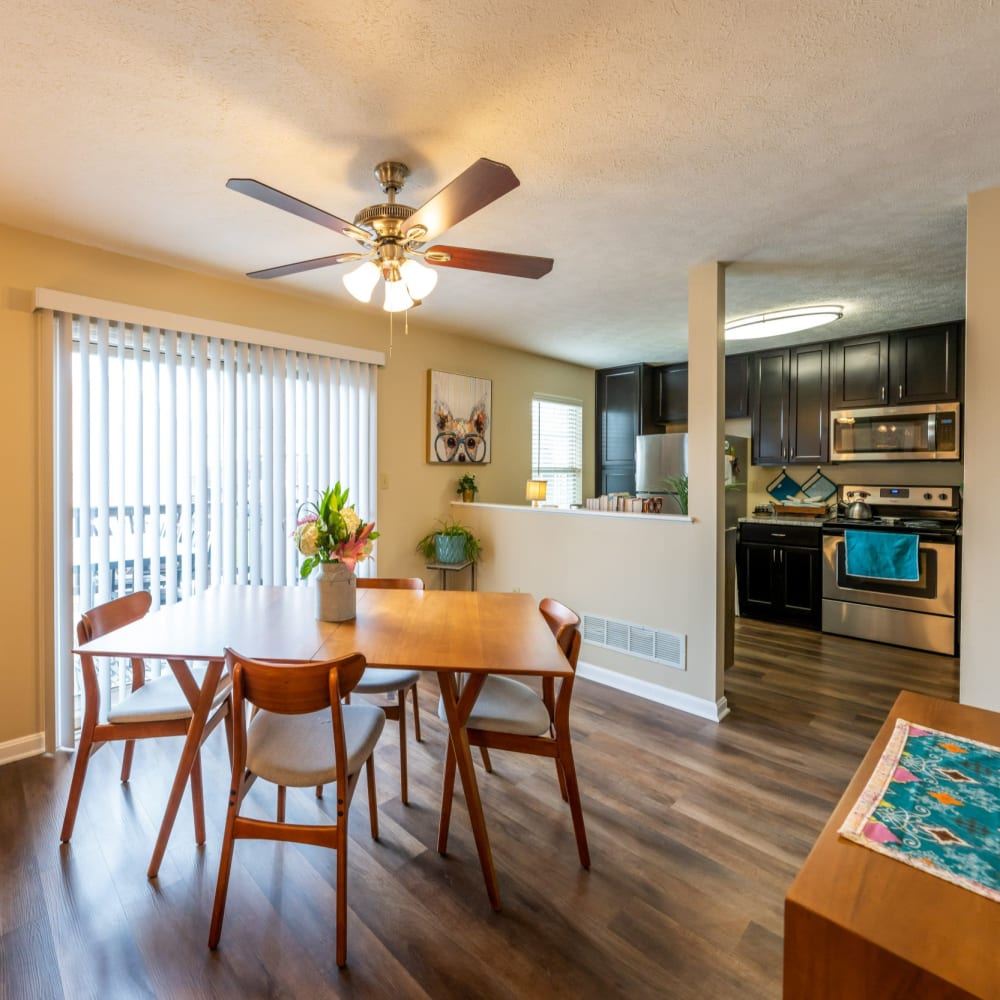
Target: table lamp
[[535, 491]]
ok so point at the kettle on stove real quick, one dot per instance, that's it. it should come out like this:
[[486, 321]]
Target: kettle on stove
[[858, 510]]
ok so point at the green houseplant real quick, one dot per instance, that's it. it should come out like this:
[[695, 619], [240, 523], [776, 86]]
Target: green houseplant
[[450, 542], [467, 487], [678, 485]]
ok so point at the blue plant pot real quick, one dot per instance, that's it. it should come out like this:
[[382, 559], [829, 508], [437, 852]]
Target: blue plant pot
[[449, 548]]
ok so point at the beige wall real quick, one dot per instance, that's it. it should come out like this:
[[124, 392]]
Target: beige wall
[[980, 675], [416, 493]]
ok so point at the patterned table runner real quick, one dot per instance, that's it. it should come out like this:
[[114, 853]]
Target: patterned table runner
[[933, 802]]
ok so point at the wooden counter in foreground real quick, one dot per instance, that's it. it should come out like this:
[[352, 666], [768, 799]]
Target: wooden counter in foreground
[[864, 926]]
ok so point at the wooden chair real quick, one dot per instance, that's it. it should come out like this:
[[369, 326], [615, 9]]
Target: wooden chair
[[300, 735], [510, 715], [153, 708], [380, 680]]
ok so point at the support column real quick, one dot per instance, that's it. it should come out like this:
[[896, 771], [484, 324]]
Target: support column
[[980, 670], [706, 429]]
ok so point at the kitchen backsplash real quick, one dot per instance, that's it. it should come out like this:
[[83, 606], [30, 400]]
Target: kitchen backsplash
[[873, 473]]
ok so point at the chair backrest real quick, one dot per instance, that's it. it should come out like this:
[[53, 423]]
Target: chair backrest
[[391, 583], [114, 614], [294, 688], [564, 623]]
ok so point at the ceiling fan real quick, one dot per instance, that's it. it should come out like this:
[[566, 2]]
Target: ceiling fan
[[395, 236]]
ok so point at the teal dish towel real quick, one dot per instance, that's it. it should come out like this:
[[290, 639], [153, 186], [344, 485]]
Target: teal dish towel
[[882, 555]]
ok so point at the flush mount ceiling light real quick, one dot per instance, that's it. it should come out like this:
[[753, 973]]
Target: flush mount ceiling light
[[394, 236], [773, 324]]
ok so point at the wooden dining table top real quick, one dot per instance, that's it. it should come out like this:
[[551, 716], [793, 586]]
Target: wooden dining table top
[[462, 631]]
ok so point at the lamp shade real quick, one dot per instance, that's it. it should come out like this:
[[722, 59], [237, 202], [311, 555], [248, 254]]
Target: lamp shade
[[535, 490], [420, 280], [396, 297], [362, 280]]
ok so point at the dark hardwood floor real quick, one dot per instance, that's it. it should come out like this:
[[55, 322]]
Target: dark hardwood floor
[[696, 830]]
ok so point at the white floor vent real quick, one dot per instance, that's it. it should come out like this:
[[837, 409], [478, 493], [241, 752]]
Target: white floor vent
[[636, 640]]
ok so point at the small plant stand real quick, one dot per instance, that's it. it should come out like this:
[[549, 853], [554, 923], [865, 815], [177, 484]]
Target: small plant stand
[[447, 568]]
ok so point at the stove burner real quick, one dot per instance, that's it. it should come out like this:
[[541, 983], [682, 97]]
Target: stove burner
[[928, 523]]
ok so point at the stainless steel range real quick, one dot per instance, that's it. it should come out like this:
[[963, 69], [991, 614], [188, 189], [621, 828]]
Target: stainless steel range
[[920, 613]]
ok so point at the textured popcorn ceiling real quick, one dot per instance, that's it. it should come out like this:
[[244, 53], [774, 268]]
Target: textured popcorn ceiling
[[825, 149]]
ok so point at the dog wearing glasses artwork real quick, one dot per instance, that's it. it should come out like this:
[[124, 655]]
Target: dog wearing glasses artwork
[[459, 419]]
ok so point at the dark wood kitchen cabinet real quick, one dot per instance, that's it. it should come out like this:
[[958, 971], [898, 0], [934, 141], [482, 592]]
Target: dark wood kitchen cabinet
[[672, 390], [778, 572], [625, 404], [672, 394], [919, 365], [737, 386], [789, 406]]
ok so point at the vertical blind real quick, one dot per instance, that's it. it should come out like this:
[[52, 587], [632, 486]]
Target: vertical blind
[[189, 457], [557, 448]]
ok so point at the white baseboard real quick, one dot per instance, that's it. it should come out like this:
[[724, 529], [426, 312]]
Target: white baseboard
[[715, 711], [24, 746]]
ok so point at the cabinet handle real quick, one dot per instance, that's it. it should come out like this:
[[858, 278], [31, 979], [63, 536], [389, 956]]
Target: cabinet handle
[[883, 394], [900, 390], [779, 534]]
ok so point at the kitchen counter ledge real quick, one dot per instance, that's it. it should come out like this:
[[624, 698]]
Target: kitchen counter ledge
[[576, 512], [778, 519]]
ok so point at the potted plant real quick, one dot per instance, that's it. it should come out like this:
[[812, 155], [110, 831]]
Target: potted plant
[[451, 542], [678, 485], [467, 488]]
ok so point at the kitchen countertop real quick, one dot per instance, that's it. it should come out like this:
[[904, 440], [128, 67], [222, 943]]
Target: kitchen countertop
[[777, 519]]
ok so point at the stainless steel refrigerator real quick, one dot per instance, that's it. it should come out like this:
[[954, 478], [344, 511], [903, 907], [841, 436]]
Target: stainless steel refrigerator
[[662, 457]]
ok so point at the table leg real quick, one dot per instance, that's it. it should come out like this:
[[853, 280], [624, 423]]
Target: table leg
[[192, 746], [458, 710]]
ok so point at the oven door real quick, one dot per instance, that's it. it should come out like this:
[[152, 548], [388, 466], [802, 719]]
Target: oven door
[[933, 593]]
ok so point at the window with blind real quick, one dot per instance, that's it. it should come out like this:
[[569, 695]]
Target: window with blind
[[184, 461], [557, 448]]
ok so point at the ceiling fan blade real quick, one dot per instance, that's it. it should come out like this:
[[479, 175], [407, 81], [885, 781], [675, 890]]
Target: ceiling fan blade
[[272, 196], [515, 264], [306, 265], [473, 189]]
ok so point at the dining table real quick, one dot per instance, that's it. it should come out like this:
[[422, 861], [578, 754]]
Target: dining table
[[459, 636]]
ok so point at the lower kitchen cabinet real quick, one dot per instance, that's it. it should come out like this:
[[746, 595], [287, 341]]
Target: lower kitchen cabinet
[[778, 571]]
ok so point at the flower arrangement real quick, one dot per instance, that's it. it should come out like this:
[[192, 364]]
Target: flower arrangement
[[329, 531]]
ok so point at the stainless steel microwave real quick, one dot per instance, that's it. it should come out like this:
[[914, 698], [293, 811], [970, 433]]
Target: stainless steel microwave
[[896, 433]]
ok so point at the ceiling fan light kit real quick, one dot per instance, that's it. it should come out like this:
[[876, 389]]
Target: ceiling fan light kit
[[394, 235], [774, 324]]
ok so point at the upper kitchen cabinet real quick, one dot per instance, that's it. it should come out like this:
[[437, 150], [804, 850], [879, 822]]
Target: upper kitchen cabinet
[[672, 390], [909, 366], [737, 386], [789, 405], [625, 403], [672, 394]]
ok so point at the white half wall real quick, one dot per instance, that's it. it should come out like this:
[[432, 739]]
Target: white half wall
[[638, 569]]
